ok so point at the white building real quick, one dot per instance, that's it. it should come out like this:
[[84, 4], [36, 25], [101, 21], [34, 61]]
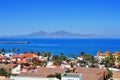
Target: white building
[[80, 58], [71, 76], [30, 78], [16, 69]]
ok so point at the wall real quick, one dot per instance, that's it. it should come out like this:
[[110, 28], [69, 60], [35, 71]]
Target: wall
[[30, 78]]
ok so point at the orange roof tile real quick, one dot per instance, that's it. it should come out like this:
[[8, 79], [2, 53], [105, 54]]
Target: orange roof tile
[[90, 77], [42, 72], [18, 56], [29, 55], [117, 53], [107, 53], [1, 57], [90, 70]]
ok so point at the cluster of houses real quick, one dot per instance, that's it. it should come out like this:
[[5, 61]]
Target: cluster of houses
[[107, 54], [22, 68]]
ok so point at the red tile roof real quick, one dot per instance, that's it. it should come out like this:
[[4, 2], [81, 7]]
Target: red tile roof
[[90, 70], [117, 53], [2, 57], [26, 55], [29, 55], [7, 66], [18, 56], [91, 77], [42, 72]]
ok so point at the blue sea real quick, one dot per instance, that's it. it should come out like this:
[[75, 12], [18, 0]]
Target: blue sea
[[68, 46]]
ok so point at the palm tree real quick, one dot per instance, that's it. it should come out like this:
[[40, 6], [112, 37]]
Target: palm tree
[[82, 53], [73, 55], [48, 55], [62, 56], [109, 61], [3, 51], [0, 52], [18, 49], [57, 60], [13, 49]]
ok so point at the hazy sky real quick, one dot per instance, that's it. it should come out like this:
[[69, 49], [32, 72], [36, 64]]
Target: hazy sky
[[100, 17]]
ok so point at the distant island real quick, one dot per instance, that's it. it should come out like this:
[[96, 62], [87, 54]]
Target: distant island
[[57, 34]]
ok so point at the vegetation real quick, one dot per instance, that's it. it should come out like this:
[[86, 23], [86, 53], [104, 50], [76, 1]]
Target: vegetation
[[5, 72], [58, 59], [110, 74], [72, 64], [45, 54], [39, 63], [57, 75], [2, 51], [109, 61], [88, 60], [70, 71]]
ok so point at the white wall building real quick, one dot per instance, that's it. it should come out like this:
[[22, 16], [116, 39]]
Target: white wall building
[[30, 78], [16, 70]]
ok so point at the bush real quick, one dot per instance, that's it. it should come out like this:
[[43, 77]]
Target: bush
[[5, 72], [57, 75]]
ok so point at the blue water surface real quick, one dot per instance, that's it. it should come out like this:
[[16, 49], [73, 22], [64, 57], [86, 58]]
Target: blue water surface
[[68, 46]]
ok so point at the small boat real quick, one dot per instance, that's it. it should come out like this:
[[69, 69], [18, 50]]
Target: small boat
[[15, 42]]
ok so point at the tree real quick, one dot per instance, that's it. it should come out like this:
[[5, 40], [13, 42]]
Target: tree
[[57, 60], [72, 64], [109, 61], [82, 53], [39, 63], [73, 55], [13, 49], [110, 74], [69, 71], [62, 56], [5, 72], [18, 49], [48, 55], [57, 75], [3, 51], [32, 51]]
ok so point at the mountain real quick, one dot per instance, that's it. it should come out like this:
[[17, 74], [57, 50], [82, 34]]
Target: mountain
[[57, 34]]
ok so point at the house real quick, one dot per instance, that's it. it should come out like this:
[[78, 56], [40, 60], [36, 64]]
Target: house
[[71, 76], [97, 73], [40, 73], [91, 77], [105, 54], [66, 66], [28, 56], [116, 56], [2, 59], [30, 78], [50, 65], [80, 58], [17, 58]]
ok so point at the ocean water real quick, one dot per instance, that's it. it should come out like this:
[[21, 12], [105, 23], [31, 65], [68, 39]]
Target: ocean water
[[68, 46]]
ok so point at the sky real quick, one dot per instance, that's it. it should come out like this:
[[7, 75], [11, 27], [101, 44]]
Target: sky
[[20, 17]]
